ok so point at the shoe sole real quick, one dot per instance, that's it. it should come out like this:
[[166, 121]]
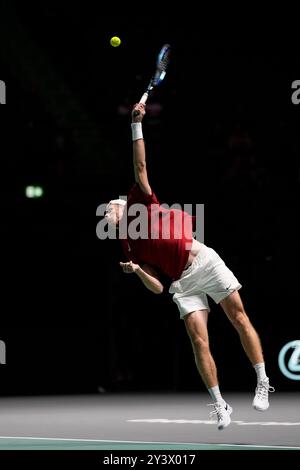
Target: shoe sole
[[223, 427], [260, 409]]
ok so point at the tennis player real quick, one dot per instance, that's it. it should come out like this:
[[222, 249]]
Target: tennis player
[[196, 271]]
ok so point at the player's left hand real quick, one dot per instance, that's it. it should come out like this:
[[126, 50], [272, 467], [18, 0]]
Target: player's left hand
[[129, 267]]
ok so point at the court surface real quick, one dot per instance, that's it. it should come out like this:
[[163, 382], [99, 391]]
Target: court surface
[[146, 421]]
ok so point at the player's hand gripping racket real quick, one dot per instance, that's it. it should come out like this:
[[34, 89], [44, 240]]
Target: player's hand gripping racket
[[160, 73]]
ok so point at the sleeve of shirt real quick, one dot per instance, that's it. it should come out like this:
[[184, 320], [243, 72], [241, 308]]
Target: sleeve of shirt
[[136, 195], [129, 255]]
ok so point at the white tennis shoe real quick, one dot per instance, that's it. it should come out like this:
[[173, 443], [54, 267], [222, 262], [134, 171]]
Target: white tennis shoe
[[261, 399], [222, 411]]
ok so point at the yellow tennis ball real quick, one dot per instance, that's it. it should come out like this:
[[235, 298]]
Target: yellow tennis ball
[[115, 41]]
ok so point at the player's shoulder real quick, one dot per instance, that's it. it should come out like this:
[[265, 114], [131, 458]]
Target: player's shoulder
[[137, 194]]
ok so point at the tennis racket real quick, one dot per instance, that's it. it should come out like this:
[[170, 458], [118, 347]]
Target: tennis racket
[[162, 63]]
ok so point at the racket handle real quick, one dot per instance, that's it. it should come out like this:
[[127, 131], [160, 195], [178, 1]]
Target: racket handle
[[144, 98], [143, 101]]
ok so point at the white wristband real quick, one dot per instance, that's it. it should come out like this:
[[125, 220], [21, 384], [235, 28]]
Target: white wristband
[[136, 129]]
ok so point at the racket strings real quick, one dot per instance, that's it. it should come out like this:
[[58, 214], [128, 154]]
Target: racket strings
[[162, 66]]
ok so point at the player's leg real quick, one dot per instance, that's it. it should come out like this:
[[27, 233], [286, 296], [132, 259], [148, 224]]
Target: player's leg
[[193, 307], [234, 309], [196, 326]]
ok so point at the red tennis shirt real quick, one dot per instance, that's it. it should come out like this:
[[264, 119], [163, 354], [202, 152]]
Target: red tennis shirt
[[167, 237]]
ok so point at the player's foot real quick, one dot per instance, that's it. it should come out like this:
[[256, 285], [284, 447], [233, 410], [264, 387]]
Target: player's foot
[[222, 411], [261, 399]]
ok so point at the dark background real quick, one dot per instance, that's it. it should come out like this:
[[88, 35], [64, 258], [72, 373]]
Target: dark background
[[221, 130]]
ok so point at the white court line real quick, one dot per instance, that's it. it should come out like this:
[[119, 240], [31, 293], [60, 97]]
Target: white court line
[[148, 442], [199, 421]]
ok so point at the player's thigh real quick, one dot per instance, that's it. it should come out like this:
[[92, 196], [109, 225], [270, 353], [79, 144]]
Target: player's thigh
[[233, 305]]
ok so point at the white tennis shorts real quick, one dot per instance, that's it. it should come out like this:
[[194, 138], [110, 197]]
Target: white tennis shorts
[[207, 275]]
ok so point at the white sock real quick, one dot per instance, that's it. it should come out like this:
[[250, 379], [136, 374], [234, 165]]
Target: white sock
[[215, 394], [260, 371]]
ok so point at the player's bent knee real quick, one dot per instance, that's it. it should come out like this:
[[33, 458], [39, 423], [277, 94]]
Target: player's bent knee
[[200, 343]]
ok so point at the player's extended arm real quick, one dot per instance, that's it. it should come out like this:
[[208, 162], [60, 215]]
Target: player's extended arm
[[147, 275], [139, 153]]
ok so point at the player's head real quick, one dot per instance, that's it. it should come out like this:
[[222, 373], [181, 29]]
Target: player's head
[[114, 211]]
